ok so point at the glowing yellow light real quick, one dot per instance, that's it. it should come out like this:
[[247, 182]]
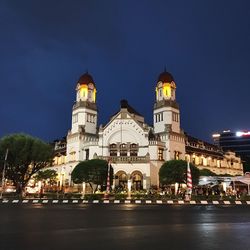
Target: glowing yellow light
[[94, 95], [167, 90], [83, 90]]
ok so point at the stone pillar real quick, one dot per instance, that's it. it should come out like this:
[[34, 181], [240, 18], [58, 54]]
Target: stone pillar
[[83, 189], [129, 189], [144, 181]]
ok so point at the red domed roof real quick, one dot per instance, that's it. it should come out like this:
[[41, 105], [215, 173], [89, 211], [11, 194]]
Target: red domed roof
[[165, 77], [86, 79]]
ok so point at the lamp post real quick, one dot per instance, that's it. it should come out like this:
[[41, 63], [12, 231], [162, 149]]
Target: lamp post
[[106, 196], [129, 189], [3, 173], [83, 189]]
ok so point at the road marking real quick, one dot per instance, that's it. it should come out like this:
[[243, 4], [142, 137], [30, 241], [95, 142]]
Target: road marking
[[15, 201], [180, 202], [85, 201], [127, 201], [215, 202], [192, 202], [227, 202], [5, 201], [106, 201], [25, 201], [35, 201], [138, 201], [65, 201], [238, 202], [159, 201], [116, 201], [170, 202], [45, 201], [95, 201], [203, 202], [248, 202], [55, 201], [75, 201], [148, 201]]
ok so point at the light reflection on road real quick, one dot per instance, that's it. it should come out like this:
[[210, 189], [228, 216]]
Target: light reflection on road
[[125, 226]]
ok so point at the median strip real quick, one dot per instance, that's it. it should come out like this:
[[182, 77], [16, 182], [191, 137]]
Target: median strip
[[127, 201]]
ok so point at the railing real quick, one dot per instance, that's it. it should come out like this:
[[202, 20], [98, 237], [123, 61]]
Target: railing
[[126, 159], [158, 143], [91, 143]]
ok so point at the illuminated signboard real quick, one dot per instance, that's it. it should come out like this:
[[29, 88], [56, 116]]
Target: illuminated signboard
[[241, 133]]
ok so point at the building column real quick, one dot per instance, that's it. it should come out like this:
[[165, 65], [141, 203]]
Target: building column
[[144, 181]]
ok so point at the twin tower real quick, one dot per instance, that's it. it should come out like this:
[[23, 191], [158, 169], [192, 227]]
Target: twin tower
[[166, 112]]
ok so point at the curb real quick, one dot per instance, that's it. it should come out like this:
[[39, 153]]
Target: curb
[[137, 202]]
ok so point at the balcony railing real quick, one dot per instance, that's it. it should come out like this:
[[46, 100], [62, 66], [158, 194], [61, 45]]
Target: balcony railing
[[126, 159]]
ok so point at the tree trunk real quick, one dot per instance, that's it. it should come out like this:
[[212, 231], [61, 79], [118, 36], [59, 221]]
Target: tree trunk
[[20, 190], [91, 187]]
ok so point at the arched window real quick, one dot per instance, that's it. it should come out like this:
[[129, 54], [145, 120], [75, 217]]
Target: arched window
[[160, 154], [133, 149], [137, 179], [113, 149], [123, 150], [121, 179], [176, 155]]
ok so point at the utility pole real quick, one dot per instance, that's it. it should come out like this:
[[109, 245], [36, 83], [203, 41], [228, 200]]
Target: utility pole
[[3, 173]]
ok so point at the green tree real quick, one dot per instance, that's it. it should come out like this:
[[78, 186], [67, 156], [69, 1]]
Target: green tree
[[26, 156], [206, 172], [176, 171], [246, 163], [49, 174], [92, 172]]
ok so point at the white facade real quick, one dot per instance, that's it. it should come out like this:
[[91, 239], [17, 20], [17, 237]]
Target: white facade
[[135, 149]]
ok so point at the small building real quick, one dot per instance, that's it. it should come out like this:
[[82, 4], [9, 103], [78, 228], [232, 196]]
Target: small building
[[238, 142], [212, 157]]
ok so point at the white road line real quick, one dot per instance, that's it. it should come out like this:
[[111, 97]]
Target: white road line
[[203, 202]]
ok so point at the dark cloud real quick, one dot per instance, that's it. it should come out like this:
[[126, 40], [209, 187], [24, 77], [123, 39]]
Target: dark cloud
[[46, 45]]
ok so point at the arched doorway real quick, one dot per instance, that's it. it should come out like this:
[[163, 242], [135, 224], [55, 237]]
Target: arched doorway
[[121, 179], [137, 180]]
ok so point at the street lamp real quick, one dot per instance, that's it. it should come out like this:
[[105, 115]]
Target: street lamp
[[83, 189], [129, 189], [106, 195], [3, 173]]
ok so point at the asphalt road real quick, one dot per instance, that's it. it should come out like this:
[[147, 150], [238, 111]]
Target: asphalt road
[[124, 227]]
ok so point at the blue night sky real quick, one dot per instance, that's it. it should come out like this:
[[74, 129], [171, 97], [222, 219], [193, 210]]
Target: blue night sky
[[47, 45]]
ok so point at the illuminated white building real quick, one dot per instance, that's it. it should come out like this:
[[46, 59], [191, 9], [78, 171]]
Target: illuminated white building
[[135, 149]]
